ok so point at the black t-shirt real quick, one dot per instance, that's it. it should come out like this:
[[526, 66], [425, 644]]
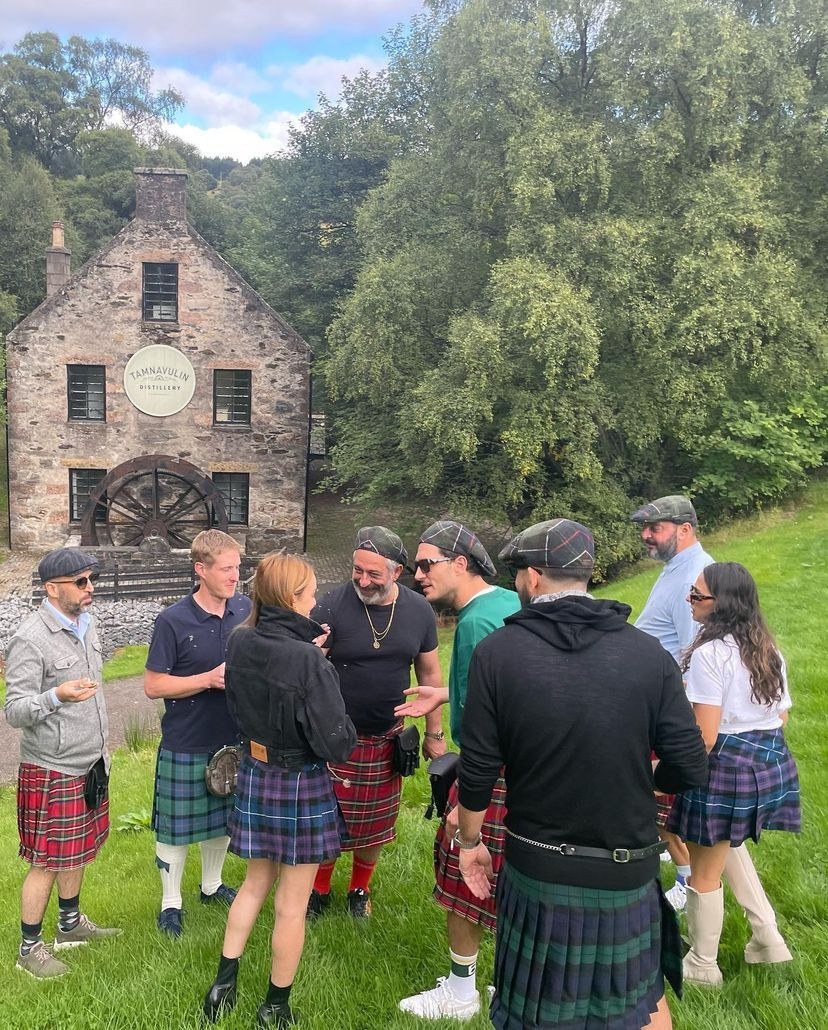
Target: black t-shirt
[[373, 680], [186, 641]]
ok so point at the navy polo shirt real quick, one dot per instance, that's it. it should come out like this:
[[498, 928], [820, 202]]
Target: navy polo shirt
[[186, 641]]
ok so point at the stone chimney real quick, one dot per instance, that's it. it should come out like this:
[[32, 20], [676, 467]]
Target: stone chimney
[[57, 261], [161, 194]]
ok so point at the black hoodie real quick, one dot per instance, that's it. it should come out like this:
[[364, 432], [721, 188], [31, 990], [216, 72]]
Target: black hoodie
[[572, 700]]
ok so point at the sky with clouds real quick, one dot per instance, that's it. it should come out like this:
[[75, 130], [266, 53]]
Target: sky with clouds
[[247, 68]]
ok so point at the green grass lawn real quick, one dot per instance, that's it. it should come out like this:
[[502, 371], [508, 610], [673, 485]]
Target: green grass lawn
[[352, 975]]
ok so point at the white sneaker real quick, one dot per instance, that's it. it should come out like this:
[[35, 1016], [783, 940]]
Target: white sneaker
[[677, 896], [440, 1003]]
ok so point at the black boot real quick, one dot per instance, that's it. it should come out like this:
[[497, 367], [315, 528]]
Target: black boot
[[222, 994], [278, 1015]]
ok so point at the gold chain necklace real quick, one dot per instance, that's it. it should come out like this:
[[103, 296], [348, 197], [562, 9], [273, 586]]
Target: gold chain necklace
[[379, 637]]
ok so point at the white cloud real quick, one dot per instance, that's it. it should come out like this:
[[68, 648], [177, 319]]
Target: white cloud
[[204, 26], [238, 77], [237, 142], [204, 100], [322, 74]]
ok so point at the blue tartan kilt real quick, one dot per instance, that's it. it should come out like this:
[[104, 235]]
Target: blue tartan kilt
[[288, 816], [580, 958], [183, 810], [753, 786]]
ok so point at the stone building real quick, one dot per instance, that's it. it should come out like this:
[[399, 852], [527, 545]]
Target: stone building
[[154, 393]]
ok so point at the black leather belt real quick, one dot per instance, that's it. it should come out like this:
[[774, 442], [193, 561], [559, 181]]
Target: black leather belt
[[620, 855], [287, 759]]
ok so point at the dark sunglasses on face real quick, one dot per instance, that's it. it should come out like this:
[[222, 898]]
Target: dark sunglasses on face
[[424, 564], [695, 596], [82, 581]]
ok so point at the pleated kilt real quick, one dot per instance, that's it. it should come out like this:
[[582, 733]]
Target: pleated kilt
[[450, 889], [664, 805], [283, 815], [370, 803], [578, 957], [753, 786], [183, 810], [57, 831]]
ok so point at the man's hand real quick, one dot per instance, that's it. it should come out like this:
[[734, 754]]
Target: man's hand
[[476, 870], [215, 678], [320, 640], [434, 748], [452, 822], [428, 700], [76, 690]]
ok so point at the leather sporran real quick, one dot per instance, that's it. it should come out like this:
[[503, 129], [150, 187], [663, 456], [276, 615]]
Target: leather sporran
[[405, 758], [442, 772], [221, 772], [96, 785]]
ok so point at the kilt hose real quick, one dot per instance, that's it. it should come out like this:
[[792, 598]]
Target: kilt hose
[[450, 890], [578, 958], [753, 785], [370, 801], [57, 831], [183, 810], [288, 816]]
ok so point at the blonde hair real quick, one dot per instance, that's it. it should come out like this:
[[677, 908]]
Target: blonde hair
[[279, 578], [209, 544]]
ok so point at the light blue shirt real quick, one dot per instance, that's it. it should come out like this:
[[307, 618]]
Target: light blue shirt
[[666, 615], [79, 628]]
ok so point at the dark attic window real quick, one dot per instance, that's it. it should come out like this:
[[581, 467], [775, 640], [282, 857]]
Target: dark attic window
[[234, 488], [160, 292], [86, 391], [231, 396]]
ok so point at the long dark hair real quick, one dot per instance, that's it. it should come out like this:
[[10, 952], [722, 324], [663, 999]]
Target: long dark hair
[[736, 612]]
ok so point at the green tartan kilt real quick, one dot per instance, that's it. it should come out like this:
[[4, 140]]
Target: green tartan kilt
[[183, 811]]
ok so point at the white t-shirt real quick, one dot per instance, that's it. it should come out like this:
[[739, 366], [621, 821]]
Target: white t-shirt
[[716, 676]]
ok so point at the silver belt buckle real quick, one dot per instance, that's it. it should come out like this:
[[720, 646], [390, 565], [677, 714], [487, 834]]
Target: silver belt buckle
[[621, 855]]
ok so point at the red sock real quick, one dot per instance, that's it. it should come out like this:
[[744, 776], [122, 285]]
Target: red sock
[[361, 874], [322, 883]]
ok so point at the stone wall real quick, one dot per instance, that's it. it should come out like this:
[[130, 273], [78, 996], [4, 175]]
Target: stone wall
[[119, 622], [97, 319]]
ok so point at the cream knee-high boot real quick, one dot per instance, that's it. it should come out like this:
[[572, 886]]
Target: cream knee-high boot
[[705, 914], [767, 943]]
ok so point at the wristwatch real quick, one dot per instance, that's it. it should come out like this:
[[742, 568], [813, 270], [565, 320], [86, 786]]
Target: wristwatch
[[439, 735], [464, 845]]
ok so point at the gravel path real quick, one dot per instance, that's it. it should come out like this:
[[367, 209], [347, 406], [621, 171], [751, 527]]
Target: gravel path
[[125, 699]]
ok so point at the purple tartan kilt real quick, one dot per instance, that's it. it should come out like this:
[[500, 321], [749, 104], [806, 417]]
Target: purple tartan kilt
[[753, 786], [285, 816]]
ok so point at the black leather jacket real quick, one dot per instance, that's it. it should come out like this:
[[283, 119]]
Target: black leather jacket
[[284, 693]]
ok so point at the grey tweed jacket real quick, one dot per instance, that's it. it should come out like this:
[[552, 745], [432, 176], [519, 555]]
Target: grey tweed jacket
[[42, 654]]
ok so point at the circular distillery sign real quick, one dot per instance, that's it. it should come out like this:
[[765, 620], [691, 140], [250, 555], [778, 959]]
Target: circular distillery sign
[[159, 380]]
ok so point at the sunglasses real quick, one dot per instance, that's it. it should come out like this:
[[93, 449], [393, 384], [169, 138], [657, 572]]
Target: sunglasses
[[82, 581], [424, 564], [695, 596]]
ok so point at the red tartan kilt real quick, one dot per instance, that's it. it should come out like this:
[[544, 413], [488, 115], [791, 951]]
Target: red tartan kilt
[[370, 803], [664, 805], [57, 830], [450, 889]]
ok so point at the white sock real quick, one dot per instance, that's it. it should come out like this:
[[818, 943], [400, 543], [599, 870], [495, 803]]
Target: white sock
[[462, 979], [171, 859], [212, 862]]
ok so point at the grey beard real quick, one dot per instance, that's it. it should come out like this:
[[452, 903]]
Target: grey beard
[[374, 598]]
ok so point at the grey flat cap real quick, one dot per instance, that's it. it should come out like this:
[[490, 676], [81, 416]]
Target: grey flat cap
[[559, 544], [673, 508], [381, 541], [455, 537], [65, 562]]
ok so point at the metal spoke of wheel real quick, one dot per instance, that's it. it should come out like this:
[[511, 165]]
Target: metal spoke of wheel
[[171, 512], [124, 512]]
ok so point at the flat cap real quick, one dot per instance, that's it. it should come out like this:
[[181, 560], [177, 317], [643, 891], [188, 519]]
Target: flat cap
[[381, 541], [556, 544], [457, 538], [674, 508], [65, 561]]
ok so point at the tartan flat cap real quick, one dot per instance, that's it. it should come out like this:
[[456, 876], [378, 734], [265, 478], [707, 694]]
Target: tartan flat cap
[[455, 537], [559, 544], [65, 562], [381, 541], [673, 508]]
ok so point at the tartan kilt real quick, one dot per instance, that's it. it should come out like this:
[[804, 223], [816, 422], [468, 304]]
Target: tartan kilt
[[370, 803], [664, 805], [287, 816], [57, 831], [753, 785], [183, 810], [450, 890], [578, 958]]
